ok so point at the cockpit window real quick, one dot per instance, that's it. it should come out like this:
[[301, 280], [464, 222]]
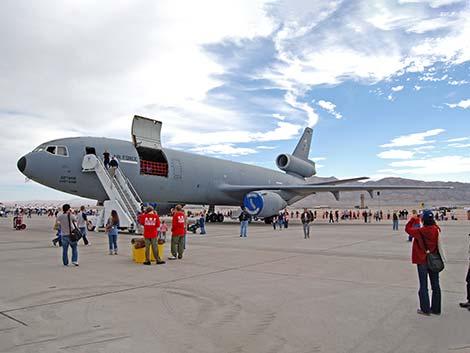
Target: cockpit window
[[39, 148], [57, 150], [62, 151]]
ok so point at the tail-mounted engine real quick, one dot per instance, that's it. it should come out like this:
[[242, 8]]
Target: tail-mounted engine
[[294, 165], [263, 203]]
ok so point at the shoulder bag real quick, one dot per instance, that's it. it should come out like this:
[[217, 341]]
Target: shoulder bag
[[433, 260], [75, 234]]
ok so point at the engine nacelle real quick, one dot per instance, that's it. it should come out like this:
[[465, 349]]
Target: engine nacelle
[[263, 203], [291, 164]]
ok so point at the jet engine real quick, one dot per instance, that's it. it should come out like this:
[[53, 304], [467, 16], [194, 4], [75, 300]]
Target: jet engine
[[294, 165], [263, 203]]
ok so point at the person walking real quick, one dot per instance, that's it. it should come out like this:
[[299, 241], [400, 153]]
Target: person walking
[[430, 233], [178, 231], [106, 159], [306, 218], [112, 228], [244, 218], [113, 165], [66, 220], [467, 303], [58, 236], [286, 220], [151, 222], [82, 222], [395, 221], [202, 223]]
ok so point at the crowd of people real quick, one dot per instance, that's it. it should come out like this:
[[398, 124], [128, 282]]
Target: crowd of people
[[421, 228]]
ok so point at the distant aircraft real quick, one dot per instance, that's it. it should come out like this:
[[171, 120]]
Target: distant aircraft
[[153, 173]]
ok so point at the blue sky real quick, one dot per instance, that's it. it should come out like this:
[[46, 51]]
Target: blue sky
[[384, 84]]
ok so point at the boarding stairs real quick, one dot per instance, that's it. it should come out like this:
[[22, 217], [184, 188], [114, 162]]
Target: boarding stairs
[[122, 195]]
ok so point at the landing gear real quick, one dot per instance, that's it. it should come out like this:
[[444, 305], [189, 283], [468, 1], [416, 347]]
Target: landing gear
[[214, 217]]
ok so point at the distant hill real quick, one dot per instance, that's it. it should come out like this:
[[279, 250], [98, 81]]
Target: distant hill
[[458, 196]]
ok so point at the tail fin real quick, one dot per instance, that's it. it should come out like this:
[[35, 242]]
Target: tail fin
[[302, 149]]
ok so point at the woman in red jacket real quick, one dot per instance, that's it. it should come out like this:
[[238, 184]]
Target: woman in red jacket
[[430, 231]]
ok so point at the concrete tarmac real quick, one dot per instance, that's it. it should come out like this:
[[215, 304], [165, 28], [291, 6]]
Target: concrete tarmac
[[350, 288]]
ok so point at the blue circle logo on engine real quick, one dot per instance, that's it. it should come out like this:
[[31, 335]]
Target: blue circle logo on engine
[[253, 203]]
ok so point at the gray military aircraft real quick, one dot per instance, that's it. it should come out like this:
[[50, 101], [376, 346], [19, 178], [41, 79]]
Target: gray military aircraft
[[172, 177]]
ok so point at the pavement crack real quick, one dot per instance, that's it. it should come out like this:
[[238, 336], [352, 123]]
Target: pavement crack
[[12, 318]]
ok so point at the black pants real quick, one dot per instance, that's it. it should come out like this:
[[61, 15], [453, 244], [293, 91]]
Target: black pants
[[468, 284]]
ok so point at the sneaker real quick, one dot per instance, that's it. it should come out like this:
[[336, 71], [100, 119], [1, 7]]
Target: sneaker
[[75, 263], [419, 311], [115, 253], [465, 305], [54, 242], [110, 253], [172, 258], [89, 244], [180, 257], [147, 263], [161, 262]]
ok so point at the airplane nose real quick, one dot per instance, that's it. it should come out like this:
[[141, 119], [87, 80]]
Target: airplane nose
[[21, 164]]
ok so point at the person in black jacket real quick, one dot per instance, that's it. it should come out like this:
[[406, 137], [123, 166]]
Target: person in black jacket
[[467, 303], [244, 218]]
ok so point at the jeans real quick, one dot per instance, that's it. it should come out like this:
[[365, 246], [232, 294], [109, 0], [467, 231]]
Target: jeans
[[423, 293], [202, 225], [395, 225], [58, 238], [281, 222], [306, 230], [65, 248], [83, 231], [243, 227], [112, 241]]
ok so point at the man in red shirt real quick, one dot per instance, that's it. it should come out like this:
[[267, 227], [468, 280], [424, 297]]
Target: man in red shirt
[[151, 222], [178, 231]]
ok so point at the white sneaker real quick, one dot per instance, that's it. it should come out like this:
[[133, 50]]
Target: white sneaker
[[75, 263], [172, 258]]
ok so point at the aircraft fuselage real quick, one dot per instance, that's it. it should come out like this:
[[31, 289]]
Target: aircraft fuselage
[[191, 178]]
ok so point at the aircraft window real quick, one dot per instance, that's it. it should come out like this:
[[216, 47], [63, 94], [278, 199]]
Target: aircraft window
[[50, 149], [39, 148], [62, 151]]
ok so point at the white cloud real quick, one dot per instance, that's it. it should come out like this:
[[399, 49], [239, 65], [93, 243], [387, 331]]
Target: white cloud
[[266, 147], [279, 116], [458, 83], [459, 145], [318, 159], [437, 165], [396, 154], [397, 88], [464, 104], [291, 99], [413, 139], [458, 139], [417, 88], [330, 107]]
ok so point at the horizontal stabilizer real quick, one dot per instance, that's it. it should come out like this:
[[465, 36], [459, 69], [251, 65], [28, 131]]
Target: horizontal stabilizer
[[341, 181]]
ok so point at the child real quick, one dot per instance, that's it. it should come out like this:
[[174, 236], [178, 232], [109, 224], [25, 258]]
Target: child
[[162, 233]]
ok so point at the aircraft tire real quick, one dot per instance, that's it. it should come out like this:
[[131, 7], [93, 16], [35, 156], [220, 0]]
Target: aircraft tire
[[213, 218], [268, 220], [220, 218]]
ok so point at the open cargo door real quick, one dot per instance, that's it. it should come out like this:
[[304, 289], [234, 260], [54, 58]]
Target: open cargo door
[[146, 132], [147, 141]]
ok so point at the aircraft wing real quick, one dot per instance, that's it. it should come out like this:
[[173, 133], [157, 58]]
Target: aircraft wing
[[307, 189]]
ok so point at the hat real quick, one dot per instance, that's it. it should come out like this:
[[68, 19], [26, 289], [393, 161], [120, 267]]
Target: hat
[[427, 214]]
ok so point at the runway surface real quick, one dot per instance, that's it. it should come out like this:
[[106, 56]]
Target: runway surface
[[350, 288]]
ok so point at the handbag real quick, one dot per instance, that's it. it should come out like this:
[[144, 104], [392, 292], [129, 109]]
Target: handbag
[[433, 260], [75, 234]]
